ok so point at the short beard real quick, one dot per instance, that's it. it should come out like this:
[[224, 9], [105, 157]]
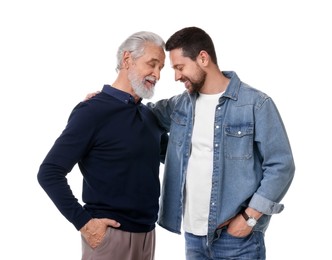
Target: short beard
[[196, 86], [139, 87]]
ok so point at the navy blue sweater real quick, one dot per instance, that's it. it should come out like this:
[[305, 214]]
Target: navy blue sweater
[[118, 146]]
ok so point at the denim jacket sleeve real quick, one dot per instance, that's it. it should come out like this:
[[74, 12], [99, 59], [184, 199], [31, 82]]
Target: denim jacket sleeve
[[163, 110], [277, 159]]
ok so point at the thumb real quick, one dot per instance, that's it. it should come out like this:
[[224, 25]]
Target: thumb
[[111, 222]]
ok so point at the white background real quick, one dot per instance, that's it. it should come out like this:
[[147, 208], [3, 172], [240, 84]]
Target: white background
[[52, 53]]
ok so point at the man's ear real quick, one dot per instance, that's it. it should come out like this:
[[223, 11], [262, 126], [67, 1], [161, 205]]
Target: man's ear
[[203, 58], [126, 59]]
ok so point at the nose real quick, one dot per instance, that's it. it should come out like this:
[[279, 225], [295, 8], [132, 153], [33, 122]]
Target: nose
[[156, 73], [177, 75]]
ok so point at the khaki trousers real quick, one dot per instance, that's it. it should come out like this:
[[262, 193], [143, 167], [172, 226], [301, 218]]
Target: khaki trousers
[[121, 245]]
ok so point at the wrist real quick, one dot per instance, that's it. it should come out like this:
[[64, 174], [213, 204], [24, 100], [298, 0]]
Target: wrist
[[253, 213], [250, 220]]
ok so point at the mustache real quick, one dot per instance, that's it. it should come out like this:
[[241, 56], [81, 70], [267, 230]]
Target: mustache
[[151, 79], [184, 79]]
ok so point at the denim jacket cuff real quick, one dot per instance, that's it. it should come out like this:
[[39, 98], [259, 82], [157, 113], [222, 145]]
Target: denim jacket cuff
[[265, 205]]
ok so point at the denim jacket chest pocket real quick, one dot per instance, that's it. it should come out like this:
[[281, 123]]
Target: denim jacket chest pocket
[[238, 143], [178, 127]]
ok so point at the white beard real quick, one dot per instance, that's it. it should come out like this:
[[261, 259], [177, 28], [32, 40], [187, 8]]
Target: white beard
[[139, 87]]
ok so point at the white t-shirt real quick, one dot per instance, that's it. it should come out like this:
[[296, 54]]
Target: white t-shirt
[[200, 166]]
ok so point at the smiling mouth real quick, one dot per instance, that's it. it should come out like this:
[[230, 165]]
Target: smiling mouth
[[187, 84], [151, 83]]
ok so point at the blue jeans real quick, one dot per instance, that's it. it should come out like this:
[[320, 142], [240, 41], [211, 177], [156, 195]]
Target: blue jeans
[[225, 247]]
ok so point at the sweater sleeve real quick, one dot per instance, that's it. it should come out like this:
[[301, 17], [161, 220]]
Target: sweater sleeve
[[68, 149]]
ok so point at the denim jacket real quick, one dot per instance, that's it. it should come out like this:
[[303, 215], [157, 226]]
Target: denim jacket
[[252, 163]]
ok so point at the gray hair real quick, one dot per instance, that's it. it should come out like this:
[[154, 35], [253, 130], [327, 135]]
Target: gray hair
[[135, 44]]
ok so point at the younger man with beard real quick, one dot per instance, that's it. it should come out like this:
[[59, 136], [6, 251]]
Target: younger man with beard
[[118, 145], [229, 162]]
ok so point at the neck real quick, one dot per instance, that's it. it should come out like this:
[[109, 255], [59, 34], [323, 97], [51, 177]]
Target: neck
[[123, 84], [215, 83]]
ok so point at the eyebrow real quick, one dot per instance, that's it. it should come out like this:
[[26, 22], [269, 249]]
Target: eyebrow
[[177, 66], [153, 59], [156, 60]]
